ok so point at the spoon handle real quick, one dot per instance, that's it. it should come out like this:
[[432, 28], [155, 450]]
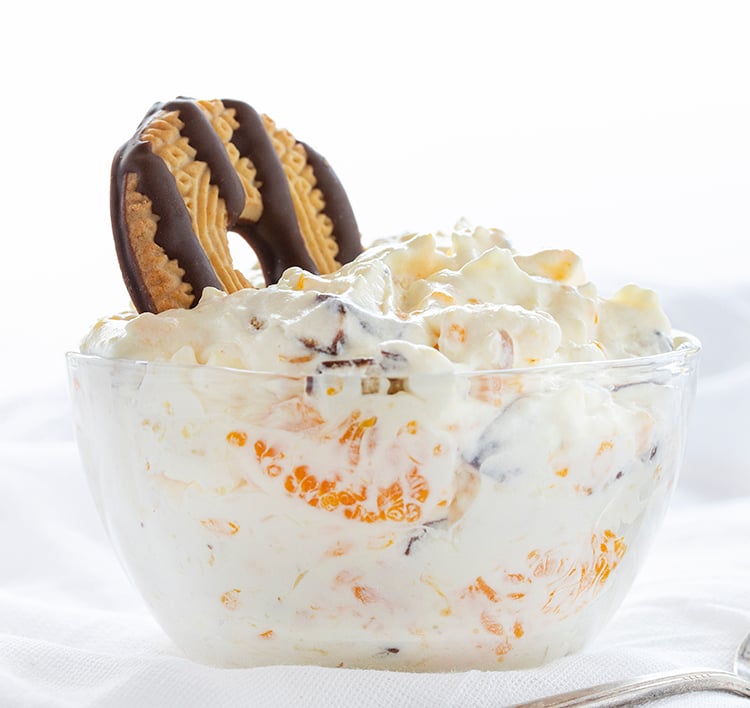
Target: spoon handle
[[644, 689]]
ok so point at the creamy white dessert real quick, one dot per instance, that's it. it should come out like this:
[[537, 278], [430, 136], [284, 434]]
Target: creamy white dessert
[[444, 456], [458, 302]]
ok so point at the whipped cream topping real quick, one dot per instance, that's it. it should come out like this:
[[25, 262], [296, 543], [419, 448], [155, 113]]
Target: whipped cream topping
[[463, 301]]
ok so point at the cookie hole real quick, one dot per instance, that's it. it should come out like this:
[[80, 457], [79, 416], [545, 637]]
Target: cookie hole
[[244, 258]]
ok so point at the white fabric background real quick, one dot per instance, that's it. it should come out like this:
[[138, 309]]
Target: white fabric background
[[615, 129], [73, 632]]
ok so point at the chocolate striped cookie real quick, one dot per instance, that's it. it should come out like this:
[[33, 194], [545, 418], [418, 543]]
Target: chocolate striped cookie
[[196, 170]]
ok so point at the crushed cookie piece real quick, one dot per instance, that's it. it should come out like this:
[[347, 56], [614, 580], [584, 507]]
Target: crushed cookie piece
[[339, 363], [413, 539], [370, 385], [396, 385]]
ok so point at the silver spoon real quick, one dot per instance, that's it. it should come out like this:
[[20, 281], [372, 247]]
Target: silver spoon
[[654, 686]]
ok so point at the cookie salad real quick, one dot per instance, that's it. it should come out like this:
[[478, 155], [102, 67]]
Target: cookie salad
[[433, 453]]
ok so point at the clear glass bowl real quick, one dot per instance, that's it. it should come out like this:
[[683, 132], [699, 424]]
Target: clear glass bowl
[[489, 520]]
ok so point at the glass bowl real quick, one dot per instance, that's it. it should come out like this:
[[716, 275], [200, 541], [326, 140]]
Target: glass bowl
[[490, 520]]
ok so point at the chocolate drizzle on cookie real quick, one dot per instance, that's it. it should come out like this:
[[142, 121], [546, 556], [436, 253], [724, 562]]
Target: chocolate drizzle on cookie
[[338, 207], [195, 170]]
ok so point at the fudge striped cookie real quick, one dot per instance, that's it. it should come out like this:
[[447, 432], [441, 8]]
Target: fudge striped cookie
[[196, 170]]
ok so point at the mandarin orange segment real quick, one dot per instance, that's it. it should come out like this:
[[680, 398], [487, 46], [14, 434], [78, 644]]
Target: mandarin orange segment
[[399, 501], [480, 586], [364, 594], [237, 437], [491, 625], [220, 526]]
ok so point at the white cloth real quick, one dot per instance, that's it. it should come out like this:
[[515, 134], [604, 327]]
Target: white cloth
[[73, 631]]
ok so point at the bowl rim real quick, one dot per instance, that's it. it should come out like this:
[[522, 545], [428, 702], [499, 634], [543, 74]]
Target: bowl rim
[[687, 347]]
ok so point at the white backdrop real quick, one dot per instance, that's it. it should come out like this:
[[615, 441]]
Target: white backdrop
[[621, 130], [616, 129]]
